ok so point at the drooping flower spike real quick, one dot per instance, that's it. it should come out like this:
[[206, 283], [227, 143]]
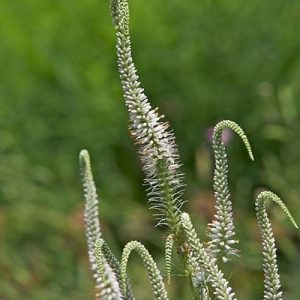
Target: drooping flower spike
[[272, 283], [109, 288], [221, 231], [154, 275]]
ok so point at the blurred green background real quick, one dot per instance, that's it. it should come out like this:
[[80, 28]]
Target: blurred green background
[[200, 62]]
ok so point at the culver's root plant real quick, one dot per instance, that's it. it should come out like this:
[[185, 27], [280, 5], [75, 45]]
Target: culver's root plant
[[202, 260]]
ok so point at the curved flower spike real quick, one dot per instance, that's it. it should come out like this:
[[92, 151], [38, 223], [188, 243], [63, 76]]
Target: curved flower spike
[[115, 266], [109, 287], [156, 145], [154, 275], [222, 231], [272, 279]]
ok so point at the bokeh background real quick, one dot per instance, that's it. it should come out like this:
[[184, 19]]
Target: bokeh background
[[200, 62]]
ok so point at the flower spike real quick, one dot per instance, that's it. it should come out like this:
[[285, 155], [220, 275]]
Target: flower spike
[[109, 288], [221, 287], [222, 231], [272, 283], [156, 145], [91, 214], [154, 275], [168, 256], [92, 227]]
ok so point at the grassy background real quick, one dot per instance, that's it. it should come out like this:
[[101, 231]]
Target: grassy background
[[200, 62]]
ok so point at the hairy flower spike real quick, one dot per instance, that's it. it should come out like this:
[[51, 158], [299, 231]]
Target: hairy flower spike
[[154, 275], [272, 279], [222, 230], [221, 287], [157, 149]]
